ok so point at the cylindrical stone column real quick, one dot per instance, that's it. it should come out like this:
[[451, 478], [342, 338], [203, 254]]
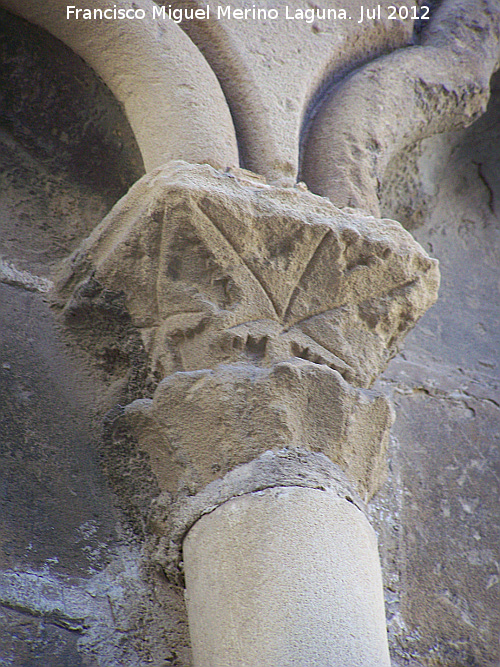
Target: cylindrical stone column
[[285, 577]]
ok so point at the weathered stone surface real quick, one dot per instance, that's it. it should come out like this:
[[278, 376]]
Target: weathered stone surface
[[71, 586], [439, 516], [439, 85], [172, 517], [273, 91], [31, 640], [158, 75], [55, 507], [222, 268], [125, 615], [202, 424], [253, 301], [59, 127], [66, 155]]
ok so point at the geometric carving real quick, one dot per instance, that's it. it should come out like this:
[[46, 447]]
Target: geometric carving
[[262, 308], [223, 268]]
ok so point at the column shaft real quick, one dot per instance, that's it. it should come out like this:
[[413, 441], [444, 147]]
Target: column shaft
[[286, 577]]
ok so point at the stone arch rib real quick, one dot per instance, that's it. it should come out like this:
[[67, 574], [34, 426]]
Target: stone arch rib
[[439, 85], [171, 97]]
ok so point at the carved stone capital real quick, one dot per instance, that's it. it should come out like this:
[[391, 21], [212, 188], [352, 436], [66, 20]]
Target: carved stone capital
[[261, 309], [202, 424], [223, 268]]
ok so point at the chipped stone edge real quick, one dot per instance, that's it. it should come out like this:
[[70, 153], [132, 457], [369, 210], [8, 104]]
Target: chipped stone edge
[[282, 468]]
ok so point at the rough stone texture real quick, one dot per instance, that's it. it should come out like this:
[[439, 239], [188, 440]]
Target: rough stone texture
[[25, 640], [439, 519], [158, 75], [120, 616], [67, 151], [440, 85], [224, 273], [82, 583], [56, 509], [272, 90], [67, 154], [223, 268], [202, 424], [438, 516], [262, 571], [172, 519]]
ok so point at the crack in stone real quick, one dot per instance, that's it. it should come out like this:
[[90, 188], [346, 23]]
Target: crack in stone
[[484, 181], [439, 393], [72, 624]]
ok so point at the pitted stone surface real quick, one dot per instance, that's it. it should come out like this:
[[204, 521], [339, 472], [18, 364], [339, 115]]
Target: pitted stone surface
[[438, 85], [223, 268], [441, 507], [274, 68], [202, 424]]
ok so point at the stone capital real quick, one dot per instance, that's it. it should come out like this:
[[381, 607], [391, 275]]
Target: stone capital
[[266, 313]]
